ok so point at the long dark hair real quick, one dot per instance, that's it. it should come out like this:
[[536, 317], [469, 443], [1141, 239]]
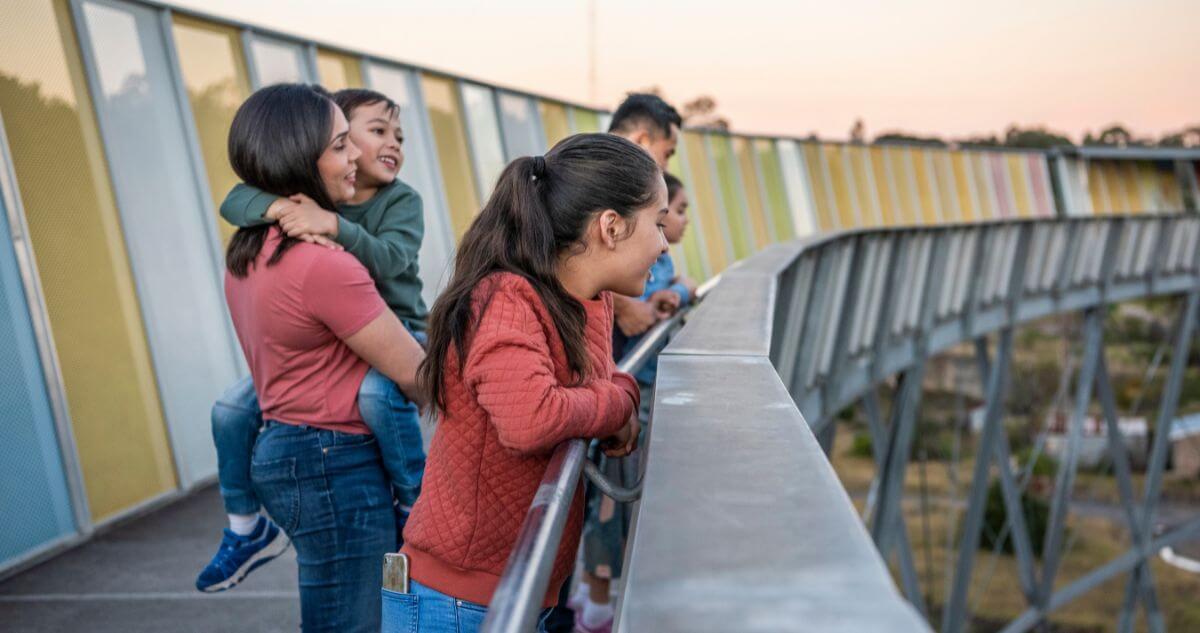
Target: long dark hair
[[275, 140], [540, 208]]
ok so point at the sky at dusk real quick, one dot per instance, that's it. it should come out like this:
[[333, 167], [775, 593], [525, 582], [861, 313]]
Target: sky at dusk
[[937, 67]]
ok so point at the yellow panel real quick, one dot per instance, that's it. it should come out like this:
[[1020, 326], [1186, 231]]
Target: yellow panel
[[944, 174], [901, 159], [214, 74], [816, 178], [754, 202], [926, 187], [1019, 177], [1150, 188], [888, 205], [860, 179], [1172, 191], [338, 71], [554, 121], [1098, 189], [75, 231], [693, 254], [988, 209], [962, 186], [835, 162], [445, 118], [586, 121], [705, 203], [1112, 180], [1129, 177]]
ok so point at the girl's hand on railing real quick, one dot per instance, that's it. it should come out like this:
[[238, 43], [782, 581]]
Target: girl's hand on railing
[[624, 441]]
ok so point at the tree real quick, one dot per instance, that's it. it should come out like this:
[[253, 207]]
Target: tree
[[904, 138], [858, 133], [1033, 138], [702, 112]]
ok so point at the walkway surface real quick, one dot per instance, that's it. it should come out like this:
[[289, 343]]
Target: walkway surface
[[138, 577]]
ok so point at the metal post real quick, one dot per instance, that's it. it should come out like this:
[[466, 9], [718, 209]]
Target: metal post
[[955, 614]]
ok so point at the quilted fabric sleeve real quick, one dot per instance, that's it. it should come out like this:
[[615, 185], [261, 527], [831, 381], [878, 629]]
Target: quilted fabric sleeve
[[510, 371]]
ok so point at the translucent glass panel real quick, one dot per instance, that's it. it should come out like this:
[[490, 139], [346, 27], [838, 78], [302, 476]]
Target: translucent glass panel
[[843, 192], [76, 237], [174, 259], [420, 171], [522, 126], [778, 211], [214, 73], [943, 173], [731, 195], [337, 71], [927, 196], [694, 261], [554, 122], [858, 166], [1001, 186], [964, 186], [885, 187], [586, 121], [752, 187], [1039, 184], [605, 120], [35, 507], [1018, 179], [796, 184], [984, 186], [483, 127], [277, 61], [704, 202], [441, 101]]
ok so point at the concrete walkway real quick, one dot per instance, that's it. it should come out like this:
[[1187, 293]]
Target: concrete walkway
[[139, 577]]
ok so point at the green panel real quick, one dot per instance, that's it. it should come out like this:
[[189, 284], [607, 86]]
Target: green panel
[[777, 202], [586, 121], [735, 216], [75, 232], [704, 201]]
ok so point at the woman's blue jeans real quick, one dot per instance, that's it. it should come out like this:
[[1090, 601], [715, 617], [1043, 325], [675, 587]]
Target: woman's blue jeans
[[330, 494], [426, 610]]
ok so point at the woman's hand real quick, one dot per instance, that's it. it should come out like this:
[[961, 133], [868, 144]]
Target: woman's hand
[[623, 441], [304, 217]]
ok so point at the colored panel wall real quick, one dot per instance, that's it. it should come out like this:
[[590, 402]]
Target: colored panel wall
[[483, 130], [900, 161], [441, 100], [1018, 179], [818, 186], [277, 61], [843, 191], [943, 173], [1039, 184], [420, 171], [586, 121], [522, 126], [885, 187], [171, 245], [776, 199], [695, 260], [704, 201], [795, 182], [338, 71], [964, 186], [927, 190], [213, 69], [730, 191], [858, 166], [76, 237], [35, 507], [554, 122], [752, 187]]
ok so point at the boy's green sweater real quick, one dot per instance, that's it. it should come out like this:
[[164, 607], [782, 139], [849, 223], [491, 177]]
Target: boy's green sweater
[[384, 233]]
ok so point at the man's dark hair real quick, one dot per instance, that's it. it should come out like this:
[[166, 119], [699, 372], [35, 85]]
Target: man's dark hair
[[644, 109], [673, 185]]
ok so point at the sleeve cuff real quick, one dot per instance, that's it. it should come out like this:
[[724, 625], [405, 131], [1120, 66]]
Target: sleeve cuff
[[682, 291], [348, 233]]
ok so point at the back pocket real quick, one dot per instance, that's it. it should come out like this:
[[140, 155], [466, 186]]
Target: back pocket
[[278, 489], [401, 612]]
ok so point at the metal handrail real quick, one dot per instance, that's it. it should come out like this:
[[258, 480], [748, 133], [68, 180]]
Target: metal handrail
[[518, 597]]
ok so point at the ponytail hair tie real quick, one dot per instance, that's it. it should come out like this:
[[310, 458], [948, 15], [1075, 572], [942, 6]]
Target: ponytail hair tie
[[539, 167]]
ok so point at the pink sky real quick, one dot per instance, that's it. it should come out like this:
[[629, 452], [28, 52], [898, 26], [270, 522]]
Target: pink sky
[[794, 67]]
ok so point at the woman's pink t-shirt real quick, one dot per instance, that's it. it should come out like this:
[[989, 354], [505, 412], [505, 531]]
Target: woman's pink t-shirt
[[290, 320]]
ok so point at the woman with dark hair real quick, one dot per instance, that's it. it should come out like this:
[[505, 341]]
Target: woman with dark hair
[[311, 324], [520, 359]]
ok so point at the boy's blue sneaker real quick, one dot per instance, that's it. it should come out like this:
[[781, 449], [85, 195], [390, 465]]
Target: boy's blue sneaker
[[240, 555]]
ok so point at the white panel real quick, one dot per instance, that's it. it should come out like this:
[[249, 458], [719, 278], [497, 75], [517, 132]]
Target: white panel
[[168, 231], [277, 61], [795, 184], [420, 171], [523, 135], [483, 129]]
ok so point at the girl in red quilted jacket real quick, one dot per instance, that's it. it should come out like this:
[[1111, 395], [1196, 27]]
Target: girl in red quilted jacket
[[520, 359]]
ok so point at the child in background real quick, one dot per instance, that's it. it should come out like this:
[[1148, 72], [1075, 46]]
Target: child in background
[[382, 226], [608, 522]]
